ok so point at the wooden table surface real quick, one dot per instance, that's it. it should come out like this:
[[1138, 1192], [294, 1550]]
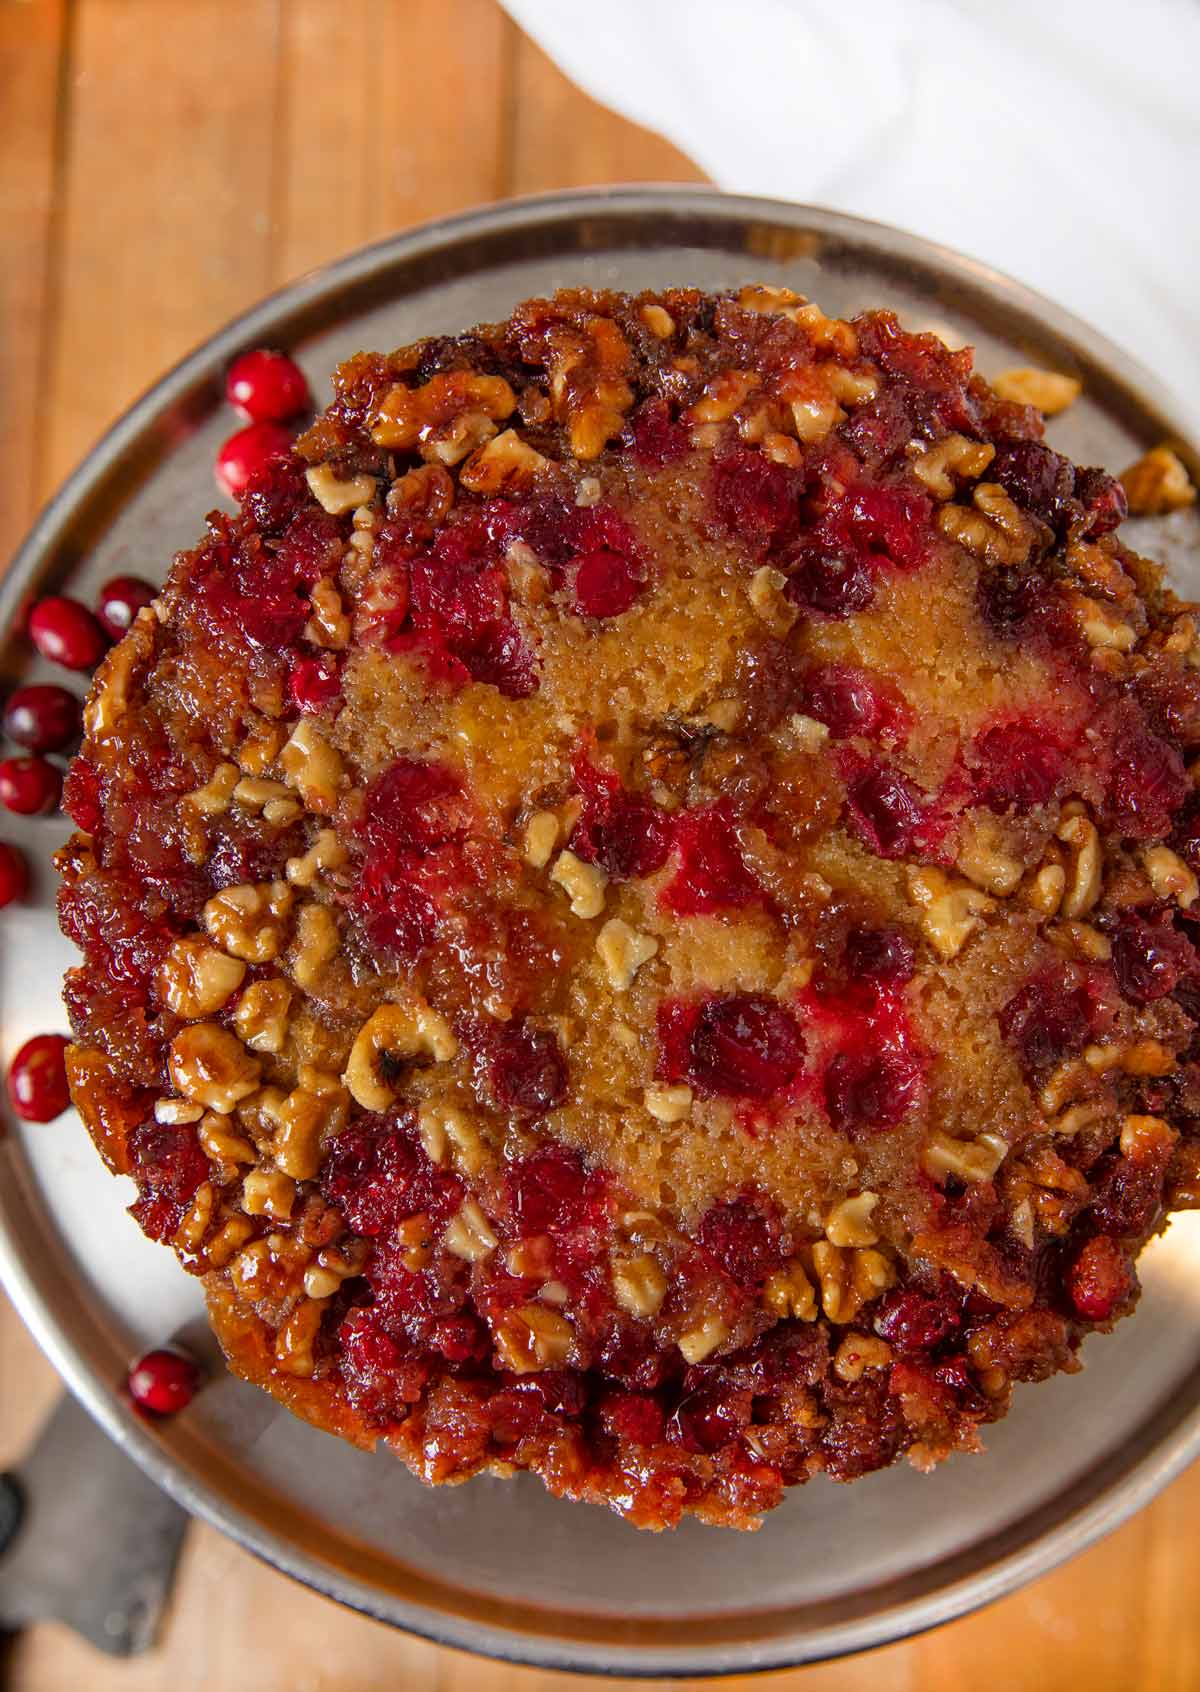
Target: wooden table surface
[[163, 164]]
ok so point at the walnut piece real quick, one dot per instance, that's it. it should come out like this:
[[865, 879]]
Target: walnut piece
[[196, 979], [1046, 390], [394, 1034], [248, 921], [336, 494], [1158, 483], [623, 951], [209, 1066], [583, 884]]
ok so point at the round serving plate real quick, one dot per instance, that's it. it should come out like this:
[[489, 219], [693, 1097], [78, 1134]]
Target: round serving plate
[[498, 1566]]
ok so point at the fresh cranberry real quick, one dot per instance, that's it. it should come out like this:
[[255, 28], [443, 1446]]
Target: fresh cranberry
[[885, 955], [163, 1382], [551, 1192], [884, 809], [120, 601], [606, 584], [1102, 497], [266, 386], [849, 701], [913, 1322], [1048, 1019], [14, 876], [315, 682], [834, 583], [1150, 959], [743, 1239], [712, 872], [870, 1089], [65, 631], [42, 717], [756, 499], [710, 1418], [528, 1070], [29, 786], [37, 1078], [1147, 784], [1099, 1279], [1018, 765], [624, 833], [1039, 480], [246, 455], [743, 1046]]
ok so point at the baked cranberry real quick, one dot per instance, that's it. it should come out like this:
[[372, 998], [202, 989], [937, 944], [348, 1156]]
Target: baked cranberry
[[744, 1046], [634, 1416], [1017, 765], [551, 1192], [1147, 784], [1048, 1019], [913, 1322], [624, 833], [42, 717], [885, 955], [163, 1382], [65, 631], [37, 1078], [756, 499], [119, 602], [743, 1239], [710, 1418], [654, 437], [606, 584], [1039, 480], [528, 1071], [849, 701], [1100, 1279], [169, 1165], [14, 876], [29, 786], [883, 808], [459, 607], [1012, 600], [1102, 497], [246, 455], [314, 682], [712, 872], [1150, 959], [267, 386], [836, 584], [870, 1089]]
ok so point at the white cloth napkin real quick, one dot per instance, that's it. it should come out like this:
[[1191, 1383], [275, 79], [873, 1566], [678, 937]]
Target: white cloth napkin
[[1058, 140]]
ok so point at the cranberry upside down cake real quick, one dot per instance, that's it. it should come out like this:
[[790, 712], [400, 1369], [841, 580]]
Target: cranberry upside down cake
[[637, 904]]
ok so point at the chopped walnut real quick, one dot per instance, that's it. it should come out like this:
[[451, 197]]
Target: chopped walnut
[[1169, 876], [1083, 878], [268, 1192], [769, 601], [668, 1104], [858, 1353], [255, 792], [1102, 627], [505, 465], [949, 914], [721, 397], [427, 492], [583, 884], [1046, 890], [449, 1135], [175, 1112], [1146, 1136], [230, 1237], [261, 1017], [1046, 390], [221, 1144], [446, 418], [196, 979], [195, 1223], [788, 1292], [658, 320], [952, 456], [325, 853], [336, 494], [992, 529], [296, 1338], [809, 735], [849, 1223], [701, 1341], [216, 796], [541, 837], [1141, 1057], [1158, 483], [313, 767], [329, 626], [317, 942], [209, 1066], [395, 1034], [318, 1107], [623, 951], [532, 1338], [469, 1234], [248, 921], [969, 1160], [639, 1285], [588, 389]]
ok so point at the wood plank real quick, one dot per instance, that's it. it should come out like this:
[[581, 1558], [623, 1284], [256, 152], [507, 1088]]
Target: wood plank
[[563, 139]]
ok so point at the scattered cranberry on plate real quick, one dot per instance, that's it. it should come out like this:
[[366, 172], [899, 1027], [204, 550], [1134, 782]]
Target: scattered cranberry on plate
[[119, 602], [37, 1079], [65, 631], [248, 452], [29, 786], [42, 717], [163, 1382], [14, 875], [267, 386]]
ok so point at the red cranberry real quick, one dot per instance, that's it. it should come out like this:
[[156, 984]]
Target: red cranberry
[[14, 876], [870, 1090], [634, 1416], [163, 1382], [1099, 1279], [836, 584], [606, 584], [81, 799], [551, 1191], [712, 873], [755, 499], [315, 682], [848, 701], [622, 832], [42, 717], [65, 631], [1011, 601], [885, 955], [528, 1071], [29, 786], [743, 1239], [1149, 959], [1048, 1019], [1147, 784], [884, 809], [120, 601], [744, 1046], [37, 1078], [1105, 506], [266, 386], [1018, 766], [1038, 479], [246, 455], [912, 1322], [169, 1166], [654, 438], [710, 1418]]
